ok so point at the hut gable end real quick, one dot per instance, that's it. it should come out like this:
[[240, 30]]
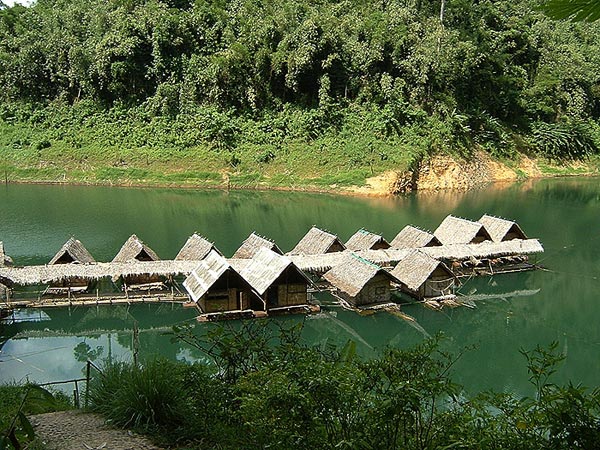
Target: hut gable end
[[205, 275], [318, 242], [502, 229], [365, 240], [265, 268], [73, 251], [135, 249], [353, 275], [455, 230], [196, 248], [253, 244], [414, 270], [413, 237]]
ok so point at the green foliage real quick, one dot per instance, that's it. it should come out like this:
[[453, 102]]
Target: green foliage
[[571, 139], [143, 397], [575, 10], [18, 401], [239, 75]]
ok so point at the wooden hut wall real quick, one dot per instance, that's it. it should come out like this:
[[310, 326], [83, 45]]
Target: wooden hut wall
[[229, 293], [377, 290], [337, 246], [290, 289], [440, 282], [514, 233]]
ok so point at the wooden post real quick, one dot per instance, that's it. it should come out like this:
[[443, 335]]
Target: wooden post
[[136, 343], [87, 383]]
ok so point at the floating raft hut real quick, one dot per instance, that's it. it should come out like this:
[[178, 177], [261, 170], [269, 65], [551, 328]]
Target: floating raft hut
[[134, 250], [215, 286], [318, 242], [277, 280], [72, 252], [319, 264], [424, 277], [414, 237], [365, 240], [501, 229], [265, 281], [360, 282], [253, 244], [196, 248], [455, 230]]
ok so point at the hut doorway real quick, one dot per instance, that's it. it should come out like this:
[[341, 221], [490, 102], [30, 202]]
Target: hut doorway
[[273, 297]]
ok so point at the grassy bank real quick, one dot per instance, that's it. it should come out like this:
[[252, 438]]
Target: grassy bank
[[208, 148]]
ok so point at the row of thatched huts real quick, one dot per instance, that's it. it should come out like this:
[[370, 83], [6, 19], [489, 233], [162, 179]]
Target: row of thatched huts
[[259, 277]]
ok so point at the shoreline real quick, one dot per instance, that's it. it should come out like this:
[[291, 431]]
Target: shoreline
[[437, 173]]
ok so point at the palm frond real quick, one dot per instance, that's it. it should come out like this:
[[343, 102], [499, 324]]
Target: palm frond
[[574, 10]]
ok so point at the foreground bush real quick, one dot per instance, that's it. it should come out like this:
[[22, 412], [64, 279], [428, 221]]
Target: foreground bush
[[268, 390]]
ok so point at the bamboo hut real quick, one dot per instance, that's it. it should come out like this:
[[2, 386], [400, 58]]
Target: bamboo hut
[[276, 279], [72, 252], [5, 260], [215, 286], [455, 230], [360, 282], [502, 229], [135, 250], [365, 240], [423, 277], [196, 248], [318, 242], [413, 237], [253, 244]]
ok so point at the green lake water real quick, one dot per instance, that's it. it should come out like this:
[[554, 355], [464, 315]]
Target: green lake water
[[559, 304]]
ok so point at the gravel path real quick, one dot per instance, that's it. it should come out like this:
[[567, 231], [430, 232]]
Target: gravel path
[[76, 430]]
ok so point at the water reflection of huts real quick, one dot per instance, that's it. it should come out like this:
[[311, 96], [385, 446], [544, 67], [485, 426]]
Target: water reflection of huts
[[258, 278]]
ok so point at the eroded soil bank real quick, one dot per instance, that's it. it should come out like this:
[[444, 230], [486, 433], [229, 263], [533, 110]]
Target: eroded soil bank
[[443, 172]]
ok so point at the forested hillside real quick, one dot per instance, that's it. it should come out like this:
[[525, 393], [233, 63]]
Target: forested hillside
[[299, 88]]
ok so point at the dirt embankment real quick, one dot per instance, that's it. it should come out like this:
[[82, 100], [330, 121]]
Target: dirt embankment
[[442, 172]]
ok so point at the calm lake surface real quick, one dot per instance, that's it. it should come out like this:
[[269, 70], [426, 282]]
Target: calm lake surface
[[560, 304]]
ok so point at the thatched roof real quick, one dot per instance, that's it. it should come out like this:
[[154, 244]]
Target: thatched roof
[[353, 274], [134, 249], [196, 248], [455, 230], [416, 268], [320, 263], [253, 244], [317, 242], [264, 269], [390, 256], [60, 272], [205, 275], [413, 237], [5, 260], [500, 228], [73, 251], [487, 249], [365, 240]]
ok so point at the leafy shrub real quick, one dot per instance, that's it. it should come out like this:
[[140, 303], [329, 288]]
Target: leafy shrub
[[146, 397], [570, 139]]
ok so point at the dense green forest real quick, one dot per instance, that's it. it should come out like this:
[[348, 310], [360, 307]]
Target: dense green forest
[[291, 88]]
